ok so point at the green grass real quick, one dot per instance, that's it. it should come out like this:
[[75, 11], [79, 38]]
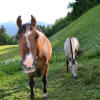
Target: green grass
[[61, 85]]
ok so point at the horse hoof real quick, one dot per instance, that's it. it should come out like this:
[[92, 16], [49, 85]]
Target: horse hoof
[[45, 96]]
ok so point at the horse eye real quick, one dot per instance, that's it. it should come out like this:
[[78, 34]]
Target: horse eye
[[36, 37]]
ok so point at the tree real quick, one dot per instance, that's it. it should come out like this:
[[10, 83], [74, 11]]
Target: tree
[[81, 6], [2, 30], [2, 35], [5, 38]]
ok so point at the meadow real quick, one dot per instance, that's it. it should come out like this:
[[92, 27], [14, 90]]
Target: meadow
[[61, 85]]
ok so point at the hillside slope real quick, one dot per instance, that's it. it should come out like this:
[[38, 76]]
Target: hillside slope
[[61, 85], [86, 29]]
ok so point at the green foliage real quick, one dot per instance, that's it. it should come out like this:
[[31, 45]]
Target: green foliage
[[5, 38], [58, 25], [81, 6], [2, 35]]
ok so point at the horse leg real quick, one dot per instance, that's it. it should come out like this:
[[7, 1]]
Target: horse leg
[[44, 81], [67, 62], [31, 84]]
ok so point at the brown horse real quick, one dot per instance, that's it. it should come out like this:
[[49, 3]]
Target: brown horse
[[35, 50]]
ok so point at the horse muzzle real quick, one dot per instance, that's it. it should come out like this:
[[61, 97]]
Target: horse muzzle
[[28, 64]]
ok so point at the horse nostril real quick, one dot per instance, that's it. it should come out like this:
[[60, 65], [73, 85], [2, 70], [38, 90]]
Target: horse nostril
[[28, 64], [29, 68], [28, 61]]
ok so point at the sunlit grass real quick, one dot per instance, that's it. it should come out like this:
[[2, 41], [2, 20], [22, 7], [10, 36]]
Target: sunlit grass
[[8, 52], [3, 49]]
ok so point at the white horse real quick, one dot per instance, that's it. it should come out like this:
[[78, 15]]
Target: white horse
[[71, 48]]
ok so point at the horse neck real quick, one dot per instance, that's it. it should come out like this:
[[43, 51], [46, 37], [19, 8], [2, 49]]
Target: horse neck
[[71, 48]]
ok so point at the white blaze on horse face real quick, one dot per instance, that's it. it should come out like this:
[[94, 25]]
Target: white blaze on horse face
[[29, 57], [29, 60], [27, 36]]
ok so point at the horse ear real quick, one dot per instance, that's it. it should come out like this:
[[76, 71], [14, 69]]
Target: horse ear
[[19, 21], [33, 20]]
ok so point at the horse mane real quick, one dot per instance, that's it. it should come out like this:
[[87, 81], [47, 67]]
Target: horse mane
[[71, 47], [39, 29], [27, 27]]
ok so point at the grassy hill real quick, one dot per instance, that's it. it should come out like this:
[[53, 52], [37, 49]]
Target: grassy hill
[[61, 85]]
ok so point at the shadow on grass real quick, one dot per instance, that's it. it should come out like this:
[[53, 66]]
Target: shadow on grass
[[60, 85], [7, 92], [21, 85]]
